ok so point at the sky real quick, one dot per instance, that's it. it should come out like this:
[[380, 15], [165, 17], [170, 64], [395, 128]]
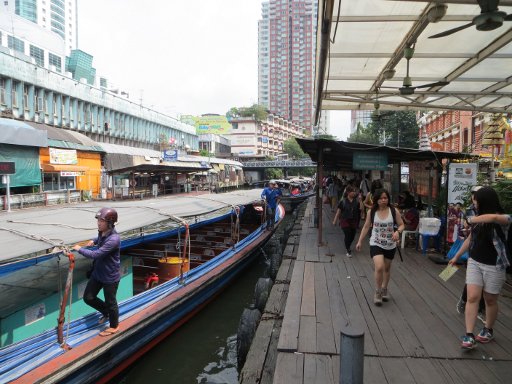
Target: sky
[[179, 57]]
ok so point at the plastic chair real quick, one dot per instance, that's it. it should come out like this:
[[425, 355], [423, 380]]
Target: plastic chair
[[406, 232]]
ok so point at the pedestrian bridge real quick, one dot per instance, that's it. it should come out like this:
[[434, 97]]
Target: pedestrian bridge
[[279, 164]]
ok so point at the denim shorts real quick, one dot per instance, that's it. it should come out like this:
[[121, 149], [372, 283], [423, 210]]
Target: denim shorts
[[490, 277]]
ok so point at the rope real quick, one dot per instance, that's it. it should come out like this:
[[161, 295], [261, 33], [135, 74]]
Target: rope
[[69, 311], [59, 244], [53, 224]]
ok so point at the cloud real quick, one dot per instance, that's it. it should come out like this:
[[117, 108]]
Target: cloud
[[189, 57]]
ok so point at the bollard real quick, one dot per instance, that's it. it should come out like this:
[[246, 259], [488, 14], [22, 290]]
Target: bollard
[[351, 355]]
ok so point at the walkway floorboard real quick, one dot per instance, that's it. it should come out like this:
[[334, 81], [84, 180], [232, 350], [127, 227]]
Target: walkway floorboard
[[413, 338]]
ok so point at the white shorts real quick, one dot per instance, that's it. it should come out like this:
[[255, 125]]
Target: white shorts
[[490, 277]]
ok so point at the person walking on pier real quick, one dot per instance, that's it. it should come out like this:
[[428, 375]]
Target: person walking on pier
[[106, 269], [349, 214], [387, 225], [487, 263], [272, 196]]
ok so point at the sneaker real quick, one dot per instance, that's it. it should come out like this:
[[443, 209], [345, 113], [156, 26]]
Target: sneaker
[[481, 316], [461, 306], [377, 299], [385, 294], [468, 342], [484, 336], [349, 254]]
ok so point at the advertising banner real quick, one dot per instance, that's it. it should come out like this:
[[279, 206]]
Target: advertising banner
[[63, 156], [461, 178]]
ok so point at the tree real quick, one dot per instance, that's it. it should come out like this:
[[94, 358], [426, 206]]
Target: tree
[[259, 112], [393, 128], [362, 134], [274, 173], [293, 149], [401, 129]]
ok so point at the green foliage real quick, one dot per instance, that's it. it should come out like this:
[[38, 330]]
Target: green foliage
[[504, 190], [367, 135], [258, 111], [205, 153], [395, 128], [273, 173], [293, 149]]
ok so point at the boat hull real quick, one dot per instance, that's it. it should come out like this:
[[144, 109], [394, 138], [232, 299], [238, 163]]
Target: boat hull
[[99, 359]]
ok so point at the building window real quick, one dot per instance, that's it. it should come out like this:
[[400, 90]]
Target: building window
[[55, 60], [53, 181], [37, 54], [16, 44]]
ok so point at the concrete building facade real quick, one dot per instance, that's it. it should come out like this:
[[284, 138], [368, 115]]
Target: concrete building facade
[[286, 34], [251, 138]]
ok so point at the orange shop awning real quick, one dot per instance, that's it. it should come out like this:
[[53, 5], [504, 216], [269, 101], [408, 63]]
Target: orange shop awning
[[63, 167]]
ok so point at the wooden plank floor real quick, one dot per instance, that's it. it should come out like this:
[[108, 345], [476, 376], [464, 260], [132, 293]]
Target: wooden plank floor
[[413, 338]]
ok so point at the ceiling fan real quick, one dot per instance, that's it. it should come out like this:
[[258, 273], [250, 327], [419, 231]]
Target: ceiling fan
[[407, 87], [489, 19], [377, 115]]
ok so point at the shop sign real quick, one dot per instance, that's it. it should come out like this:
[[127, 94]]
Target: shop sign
[[7, 168], [170, 155], [63, 156], [377, 161], [71, 173]]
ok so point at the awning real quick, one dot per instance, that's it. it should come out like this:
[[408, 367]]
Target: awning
[[64, 138], [339, 155], [16, 132], [360, 53], [216, 167], [63, 167]]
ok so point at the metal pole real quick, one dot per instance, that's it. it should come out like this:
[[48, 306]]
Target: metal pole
[[351, 355], [8, 191]]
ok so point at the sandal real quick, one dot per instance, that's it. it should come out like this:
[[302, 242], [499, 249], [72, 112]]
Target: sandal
[[109, 331], [102, 319]]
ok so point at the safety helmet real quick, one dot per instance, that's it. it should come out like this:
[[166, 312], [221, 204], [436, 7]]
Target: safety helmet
[[107, 214]]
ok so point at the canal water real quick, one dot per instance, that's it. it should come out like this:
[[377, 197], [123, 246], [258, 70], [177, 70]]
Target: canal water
[[204, 349]]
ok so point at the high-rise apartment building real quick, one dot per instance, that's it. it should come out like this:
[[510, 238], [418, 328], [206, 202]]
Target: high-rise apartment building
[[286, 34], [57, 16]]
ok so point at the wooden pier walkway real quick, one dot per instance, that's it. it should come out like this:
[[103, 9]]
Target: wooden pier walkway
[[413, 338]]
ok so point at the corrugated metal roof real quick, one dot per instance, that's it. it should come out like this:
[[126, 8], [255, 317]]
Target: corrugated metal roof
[[64, 138]]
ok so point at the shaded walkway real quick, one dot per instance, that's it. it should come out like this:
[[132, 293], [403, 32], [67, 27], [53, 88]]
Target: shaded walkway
[[414, 338]]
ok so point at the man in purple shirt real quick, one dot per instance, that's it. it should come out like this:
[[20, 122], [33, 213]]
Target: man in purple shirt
[[106, 269]]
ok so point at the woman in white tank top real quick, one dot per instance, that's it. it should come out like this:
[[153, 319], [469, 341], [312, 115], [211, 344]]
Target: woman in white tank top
[[383, 239]]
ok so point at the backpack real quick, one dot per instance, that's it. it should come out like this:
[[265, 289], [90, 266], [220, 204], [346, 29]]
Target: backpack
[[507, 241]]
